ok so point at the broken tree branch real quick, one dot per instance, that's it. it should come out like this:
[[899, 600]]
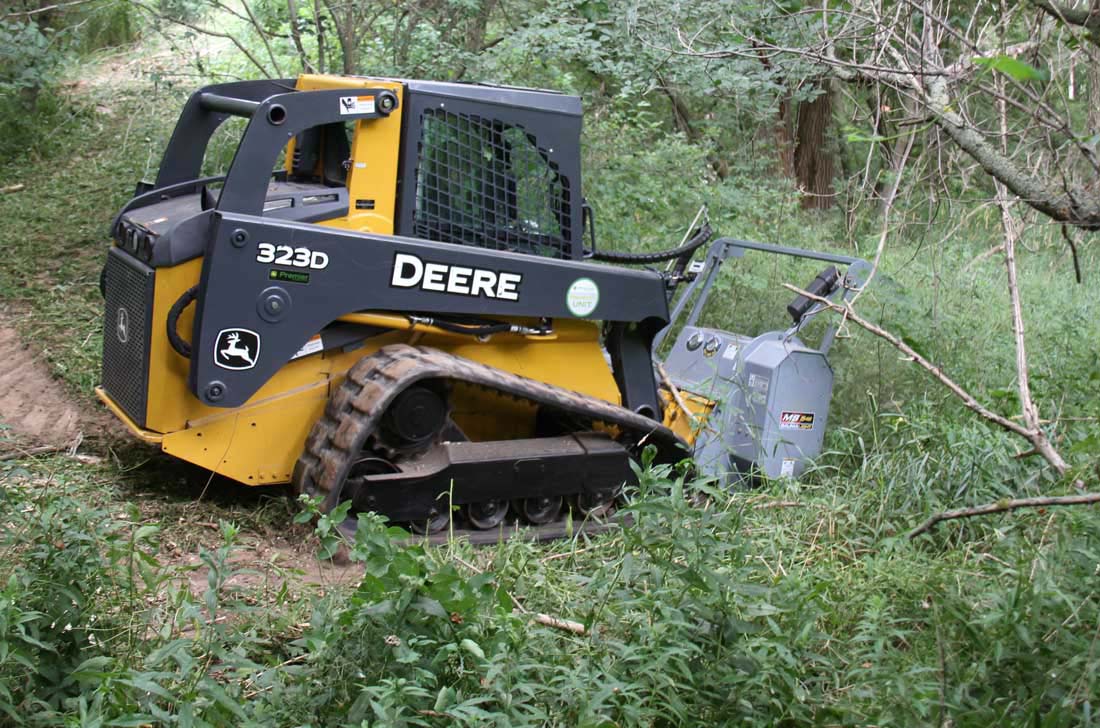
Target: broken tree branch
[[1073, 252], [967, 399], [1005, 505], [1039, 441], [1082, 18], [1073, 208], [1033, 434], [675, 391]]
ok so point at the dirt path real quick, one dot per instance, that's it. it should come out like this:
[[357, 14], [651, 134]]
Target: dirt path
[[35, 410]]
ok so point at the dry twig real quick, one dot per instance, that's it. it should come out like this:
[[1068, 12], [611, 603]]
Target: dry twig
[[676, 396], [562, 624], [21, 453], [777, 504], [1005, 505], [543, 619]]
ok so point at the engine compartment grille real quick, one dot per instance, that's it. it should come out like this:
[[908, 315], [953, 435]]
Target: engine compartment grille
[[482, 182], [128, 310]]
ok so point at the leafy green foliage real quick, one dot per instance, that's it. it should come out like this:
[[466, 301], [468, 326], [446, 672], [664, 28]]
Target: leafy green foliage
[[28, 62], [710, 607], [790, 604], [1014, 67], [37, 47]]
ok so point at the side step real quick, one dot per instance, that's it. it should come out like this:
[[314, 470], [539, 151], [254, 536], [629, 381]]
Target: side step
[[457, 473]]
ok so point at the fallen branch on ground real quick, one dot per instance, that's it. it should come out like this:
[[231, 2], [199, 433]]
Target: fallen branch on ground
[[544, 619], [563, 624], [999, 248], [21, 453], [776, 504], [11, 188], [1005, 505]]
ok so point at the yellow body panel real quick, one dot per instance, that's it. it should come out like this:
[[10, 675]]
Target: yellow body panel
[[153, 438], [374, 149], [686, 424], [258, 443]]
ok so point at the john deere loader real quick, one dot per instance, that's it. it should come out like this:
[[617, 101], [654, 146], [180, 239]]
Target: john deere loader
[[388, 300]]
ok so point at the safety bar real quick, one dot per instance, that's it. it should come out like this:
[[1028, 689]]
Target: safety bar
[[277, 112], [228, 104], [734, 243], [724, 248]]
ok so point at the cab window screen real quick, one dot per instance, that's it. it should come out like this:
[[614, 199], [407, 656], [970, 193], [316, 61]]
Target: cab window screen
[[481, 182]]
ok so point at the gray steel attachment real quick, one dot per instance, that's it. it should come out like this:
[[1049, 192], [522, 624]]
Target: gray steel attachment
[[772, 391]]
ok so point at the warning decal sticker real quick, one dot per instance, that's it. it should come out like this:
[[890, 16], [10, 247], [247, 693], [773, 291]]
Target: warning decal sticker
[[796, 420], [312, 346], [356, 104]]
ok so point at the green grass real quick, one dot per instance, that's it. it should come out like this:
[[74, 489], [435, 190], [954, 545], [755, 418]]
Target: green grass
[[739, 612], [57, 228], [791, 604]]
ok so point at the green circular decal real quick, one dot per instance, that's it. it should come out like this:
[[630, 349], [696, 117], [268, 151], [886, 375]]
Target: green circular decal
[[582, 297]]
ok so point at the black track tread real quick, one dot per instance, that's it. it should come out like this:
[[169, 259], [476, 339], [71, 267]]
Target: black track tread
[[354, 411]]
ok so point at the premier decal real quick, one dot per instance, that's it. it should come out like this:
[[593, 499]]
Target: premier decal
[[409, 271], [286, 255]]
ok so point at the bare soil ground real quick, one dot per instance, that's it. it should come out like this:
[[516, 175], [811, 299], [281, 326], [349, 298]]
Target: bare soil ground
[[37, 414], [35, 410]]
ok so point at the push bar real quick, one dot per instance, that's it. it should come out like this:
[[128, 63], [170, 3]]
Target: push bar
[[721, 249], [228, 104]]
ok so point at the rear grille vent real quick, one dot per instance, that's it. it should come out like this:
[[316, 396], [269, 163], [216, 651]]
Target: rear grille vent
[[125, 377], [482, 182]]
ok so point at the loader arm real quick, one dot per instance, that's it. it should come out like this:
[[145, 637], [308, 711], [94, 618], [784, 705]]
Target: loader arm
[[367, 272]]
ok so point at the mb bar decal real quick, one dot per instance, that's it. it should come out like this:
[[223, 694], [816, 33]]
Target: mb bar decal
[[796, 420], [236, 349], [409, 271]]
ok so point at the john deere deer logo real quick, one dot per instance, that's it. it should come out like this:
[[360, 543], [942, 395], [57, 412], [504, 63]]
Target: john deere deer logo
[[237, 349], [122, 325]]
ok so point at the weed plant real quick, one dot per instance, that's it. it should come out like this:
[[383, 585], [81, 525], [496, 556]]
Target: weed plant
[[793, 604]]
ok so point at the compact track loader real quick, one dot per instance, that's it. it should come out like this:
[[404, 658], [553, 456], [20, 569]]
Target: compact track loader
[[404, 315]]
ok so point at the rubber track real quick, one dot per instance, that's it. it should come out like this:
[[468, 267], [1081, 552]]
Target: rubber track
[[353, 413]]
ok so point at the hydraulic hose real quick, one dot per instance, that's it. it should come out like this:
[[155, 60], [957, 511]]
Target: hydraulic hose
[[702, 235], [183, 348]]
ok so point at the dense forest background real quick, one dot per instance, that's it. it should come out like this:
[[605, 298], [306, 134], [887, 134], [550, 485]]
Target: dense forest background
[[954, 144]]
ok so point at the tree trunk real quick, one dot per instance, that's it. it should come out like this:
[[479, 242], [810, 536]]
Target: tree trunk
[[681, 117], [319, 23], [813, 162], [347, 31], [784, 143], [296, 35]]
